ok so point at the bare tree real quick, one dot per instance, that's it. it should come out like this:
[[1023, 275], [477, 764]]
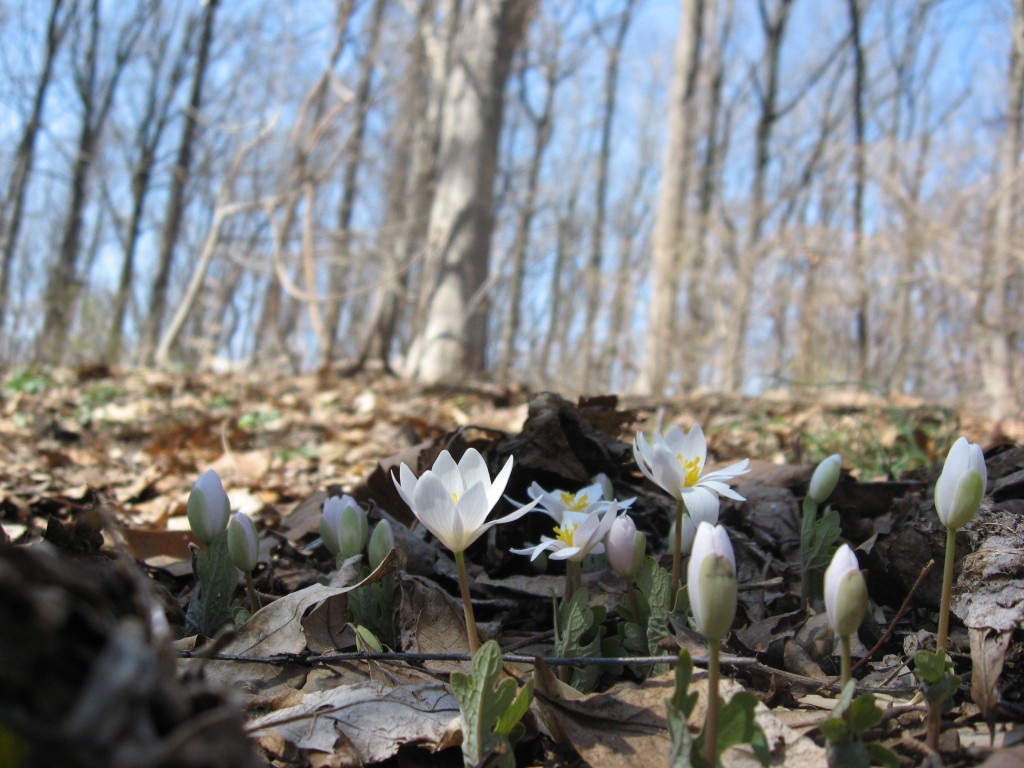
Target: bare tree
[[452, 339], [176, 197], [95, 91], [670, 215], [13, 204]]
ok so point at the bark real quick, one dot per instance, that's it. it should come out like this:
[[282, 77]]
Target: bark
[[96, 94], [452, 340], [1002, 276], [862, 331], [12, 213], [520, 246], [774, 27], [350, 179], [171, 229], [595, 267], [155, 119], [663, 330]]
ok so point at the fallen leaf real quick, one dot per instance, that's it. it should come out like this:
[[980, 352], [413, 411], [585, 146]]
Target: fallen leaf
[[988, 654]]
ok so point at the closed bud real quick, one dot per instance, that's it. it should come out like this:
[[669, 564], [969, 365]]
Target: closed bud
[[243, 543], [846, 594], [625, 547], [344, 527], [208, 507], [382, 541], [825, 478], [711, 581], [961, 486]]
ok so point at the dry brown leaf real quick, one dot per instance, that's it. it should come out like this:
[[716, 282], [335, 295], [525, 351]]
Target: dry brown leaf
[[988, 654], [431, 621], [373, 719]]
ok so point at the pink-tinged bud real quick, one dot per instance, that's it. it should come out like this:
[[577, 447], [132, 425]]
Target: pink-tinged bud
[[711, 581], [961, 486], [344, 526], [243, 543], [625, 547], [846, 594], [208, 507]]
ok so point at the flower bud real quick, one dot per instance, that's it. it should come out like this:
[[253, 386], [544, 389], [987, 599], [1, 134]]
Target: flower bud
[[208, 507], [846, 594], [607, 489], [344, 527], [382, 541], [243, 543], [824, 479], [711, 581], [961, 484], [625, 547]]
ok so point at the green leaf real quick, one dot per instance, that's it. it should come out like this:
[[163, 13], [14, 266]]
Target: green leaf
[[849, 754], [930, 666], [738, 725], [578, 634], [209, 608], [490, 709], [882, 755], [863, 713], [818, 545], [372, 606], [678, 709], [835, 729]]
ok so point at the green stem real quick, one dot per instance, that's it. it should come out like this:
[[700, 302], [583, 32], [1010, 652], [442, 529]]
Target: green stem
[[809, 515], [250, 590], [947, 590], [845, 673], [573, 578], [935, 707], [634, 606], [467, 605], [677, 547], [711, 720]]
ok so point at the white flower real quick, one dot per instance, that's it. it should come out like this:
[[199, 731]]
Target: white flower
[[824, 479], [711, 581], [577, 535], [625, 546], [691, 522], [846, 594], [961, 484], [243, 543], [589, 499], [344, 526], [453, 500], [675, 462], [208, 507]]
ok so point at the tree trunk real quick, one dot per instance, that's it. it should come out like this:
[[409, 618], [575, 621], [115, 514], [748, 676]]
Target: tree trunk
[[12, 212], [176, 197], [97, 96], [862, 333], [595, 267], [452, 339], [669, 220]]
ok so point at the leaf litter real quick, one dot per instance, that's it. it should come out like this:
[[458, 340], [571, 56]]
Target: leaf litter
[[103, 482]]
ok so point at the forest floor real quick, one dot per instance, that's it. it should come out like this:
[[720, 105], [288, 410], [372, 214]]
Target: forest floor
[[96, 572]]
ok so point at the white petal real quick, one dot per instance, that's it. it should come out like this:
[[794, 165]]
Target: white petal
[[694, 444], [594, 493], [473, 469], [674, 439], [721, 489], [976, 460], [566, 553], [506, 519], [472, 510], [668, 472], [407, 485], [733, 470], [433, 506], [495, 489], [701, 503], [534, 552], [447, 471]]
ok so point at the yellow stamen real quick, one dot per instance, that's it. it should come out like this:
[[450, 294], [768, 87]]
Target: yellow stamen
[[565, 533], [692, 469], [455, 497], [574, 503]]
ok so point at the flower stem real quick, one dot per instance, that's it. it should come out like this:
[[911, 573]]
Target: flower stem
[[634, 606], [677, 548], [250, 591], [935, 707], [467, 605], [711, 718], [845, 668], [573, 579], [947, 590]]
